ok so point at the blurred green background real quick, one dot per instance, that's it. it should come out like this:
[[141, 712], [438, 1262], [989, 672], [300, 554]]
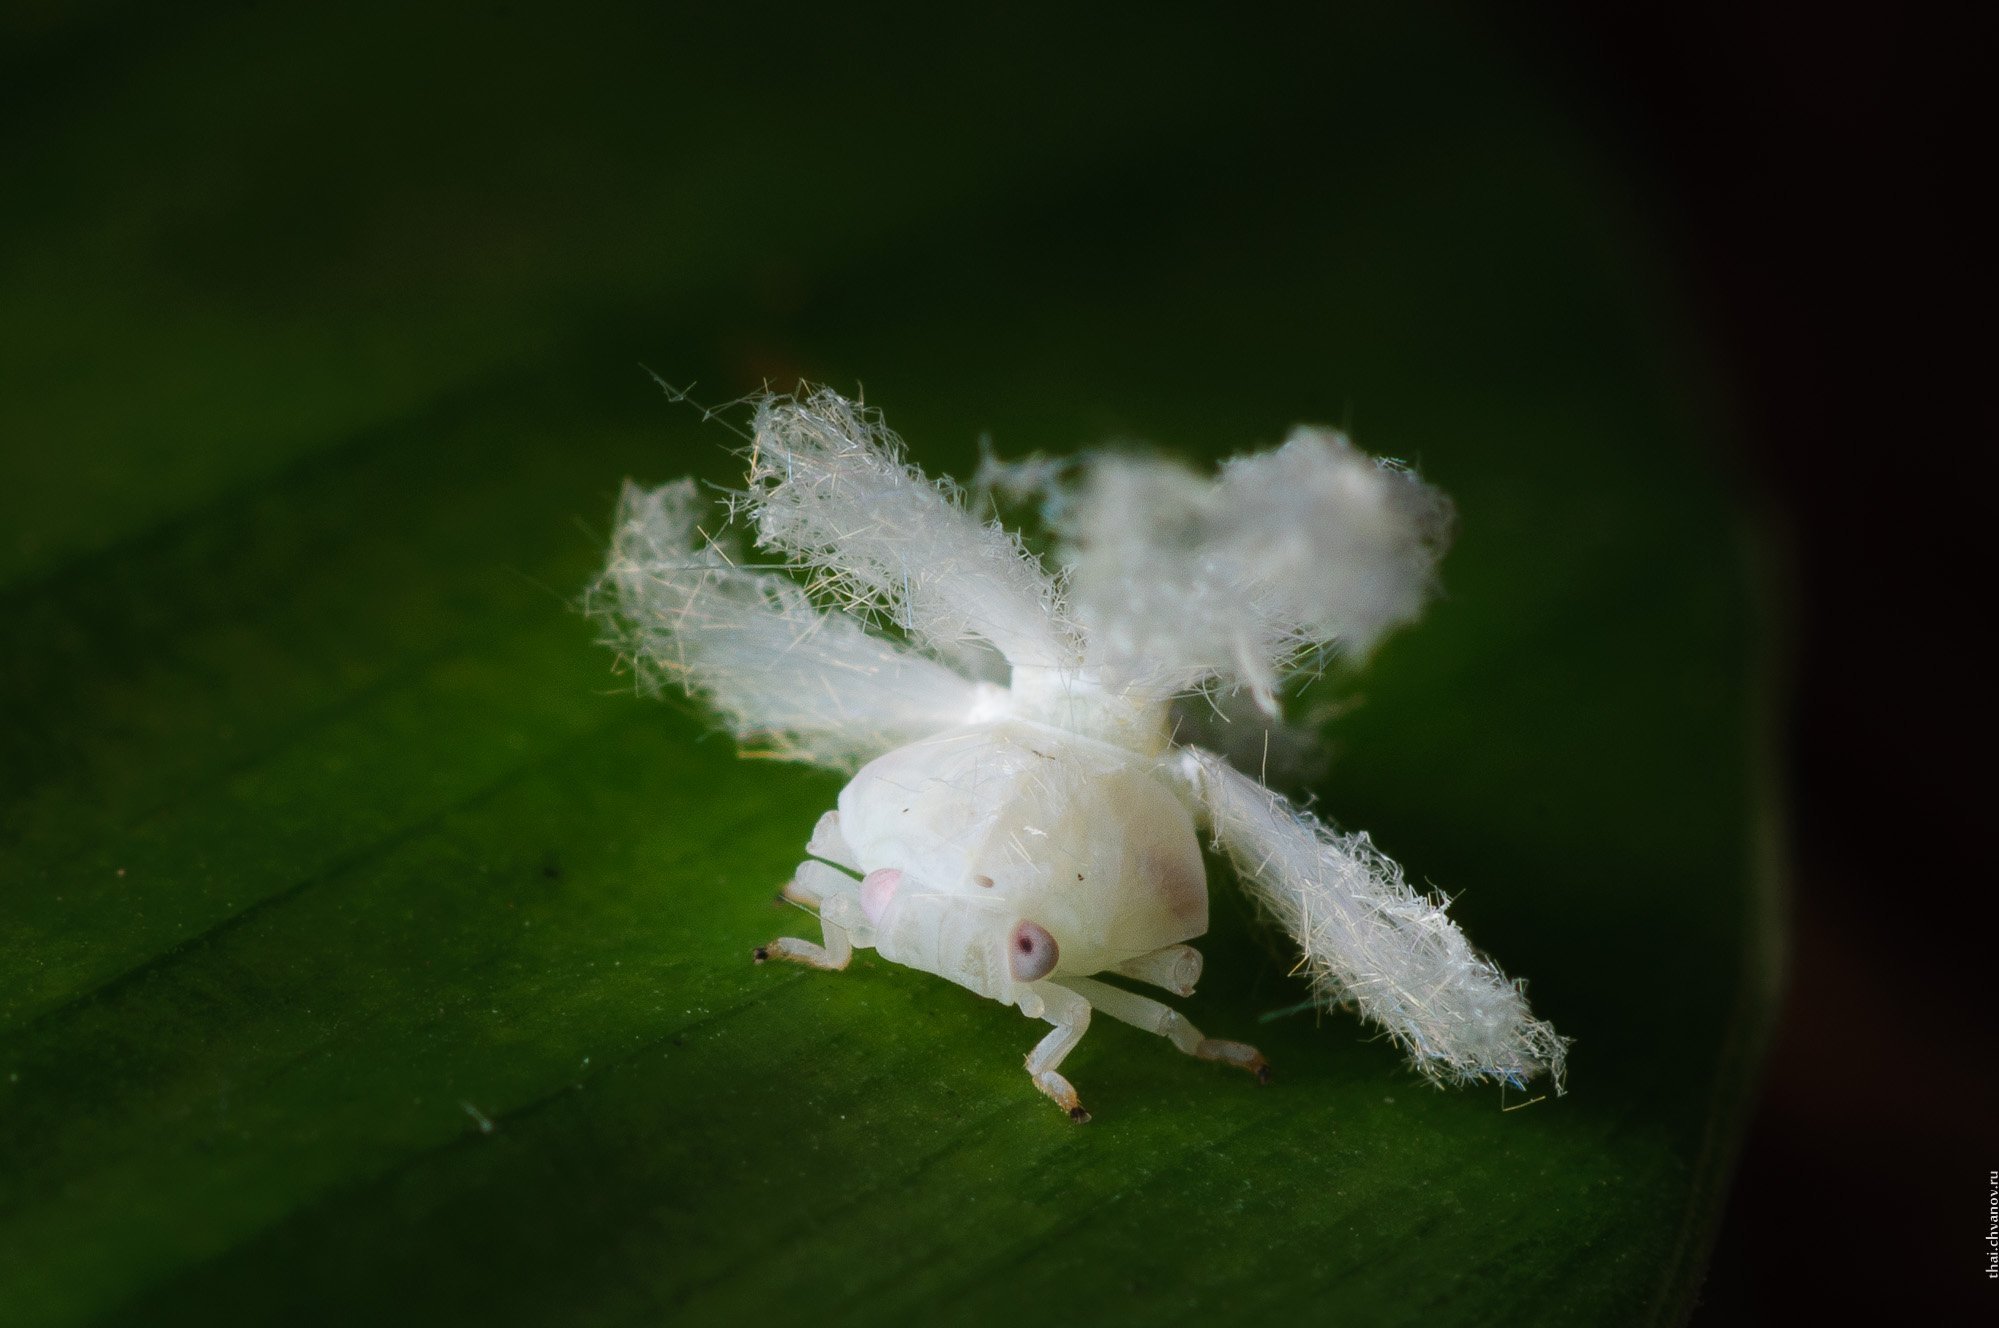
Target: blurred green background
[[367, 951]]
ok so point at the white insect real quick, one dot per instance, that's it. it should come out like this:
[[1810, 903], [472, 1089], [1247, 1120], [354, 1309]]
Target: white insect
[[1021, 821]]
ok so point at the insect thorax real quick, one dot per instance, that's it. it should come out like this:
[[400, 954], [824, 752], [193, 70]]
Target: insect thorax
[[1077, 701]]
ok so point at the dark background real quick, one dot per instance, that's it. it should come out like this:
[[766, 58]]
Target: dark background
[[1812, 165]]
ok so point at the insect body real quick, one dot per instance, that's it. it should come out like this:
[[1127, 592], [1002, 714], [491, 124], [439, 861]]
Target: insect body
[[1021, 840], [1018, 860]]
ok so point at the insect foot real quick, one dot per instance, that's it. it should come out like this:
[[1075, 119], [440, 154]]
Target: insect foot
[[1239, 1054], [1070, 1013], [834, 955]]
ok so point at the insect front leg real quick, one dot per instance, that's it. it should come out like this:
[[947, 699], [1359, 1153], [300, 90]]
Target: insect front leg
[[807, 888], [1155, 1017], [841, 922], [827, 842], [1070, 1013]]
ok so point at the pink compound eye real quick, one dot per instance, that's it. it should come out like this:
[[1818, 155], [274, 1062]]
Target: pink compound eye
[[1031, 952], [877, 888]]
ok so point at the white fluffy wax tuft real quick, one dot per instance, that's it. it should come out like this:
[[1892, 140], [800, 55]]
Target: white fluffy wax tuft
[[829, 488], [1372, 941], [789, 678], [1183, 582]]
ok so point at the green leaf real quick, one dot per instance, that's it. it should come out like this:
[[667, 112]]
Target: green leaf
[[368, 951]]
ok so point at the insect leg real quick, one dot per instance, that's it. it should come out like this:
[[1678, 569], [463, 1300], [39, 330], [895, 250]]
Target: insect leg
[[815, 882], [827, 842], [1070, 1013], [1174, 967], [832, 892], [1155, 1017]]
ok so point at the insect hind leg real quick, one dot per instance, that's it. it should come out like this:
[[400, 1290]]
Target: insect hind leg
[[1157, 1017]]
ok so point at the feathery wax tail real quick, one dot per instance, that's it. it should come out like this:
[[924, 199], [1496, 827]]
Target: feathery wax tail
[[1373, 942], [830, 488], [1182, 581], [804, 684]]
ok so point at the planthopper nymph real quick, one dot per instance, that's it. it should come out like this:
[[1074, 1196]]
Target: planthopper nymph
[[1020, 820]]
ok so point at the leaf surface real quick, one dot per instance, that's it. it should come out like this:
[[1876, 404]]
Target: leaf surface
[[367, 951]]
